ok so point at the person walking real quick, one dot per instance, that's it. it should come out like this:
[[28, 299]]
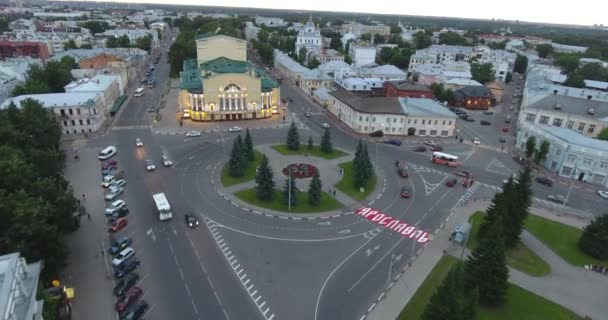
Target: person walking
[[83, 197]]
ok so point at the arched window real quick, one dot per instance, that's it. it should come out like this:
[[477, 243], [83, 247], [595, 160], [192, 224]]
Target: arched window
[[232, 88]]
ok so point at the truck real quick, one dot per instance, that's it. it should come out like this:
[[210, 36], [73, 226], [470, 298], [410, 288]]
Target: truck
[[162, 207]]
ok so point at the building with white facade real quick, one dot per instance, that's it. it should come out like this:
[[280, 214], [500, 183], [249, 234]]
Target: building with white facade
[[359, 29], [387, 72], [290, 68], [13, 72], [362, 53], [309, 38], [360, 84], [18, 288], [408, 32], [66, 15], [270, 21], [328, 55], [564, 48], [571, 154], [133, 34], [394, 116], [348, 36], [338, 69]]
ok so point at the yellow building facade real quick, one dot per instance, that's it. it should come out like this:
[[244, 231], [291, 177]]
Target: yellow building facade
[[220, 84]]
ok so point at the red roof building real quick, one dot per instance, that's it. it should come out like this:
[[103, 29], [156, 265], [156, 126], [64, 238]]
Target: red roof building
[[13, 49], [402, 88]]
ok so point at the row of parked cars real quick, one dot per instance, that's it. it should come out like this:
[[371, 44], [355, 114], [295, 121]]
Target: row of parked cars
[[124, 262]]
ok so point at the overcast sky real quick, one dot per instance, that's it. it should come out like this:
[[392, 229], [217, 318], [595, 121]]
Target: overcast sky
[[582, 12]]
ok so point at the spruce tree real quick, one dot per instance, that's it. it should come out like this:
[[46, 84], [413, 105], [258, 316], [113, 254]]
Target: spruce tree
[[486, 267], [451, 300], [290, 183], [497, 209], [264, 179], [517, 206], [314, 190], [236, 164], [249, 154], [310, 143], [293, 138], [326, 145], [367, 163], [594, 240]]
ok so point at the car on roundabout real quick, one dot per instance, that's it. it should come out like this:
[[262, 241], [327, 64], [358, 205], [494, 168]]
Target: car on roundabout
[[465, 174], [403, 172], [308, 114], [138, 142], [451, 182], [166, 161], [603, 194], [430, 143], [150, 165], [235, 129], [325, 125], [191, 221], [394, 142], [556, 199], [502, 139], [476, 141], [193, 134], [419, 149], [405, 192]]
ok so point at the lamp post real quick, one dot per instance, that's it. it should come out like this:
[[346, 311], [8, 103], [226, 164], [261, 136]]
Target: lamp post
[[289, 191], [382, 125], [571, 185]]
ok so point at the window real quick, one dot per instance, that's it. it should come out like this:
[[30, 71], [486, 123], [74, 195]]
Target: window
[[365, 128], [73, 123], [558, 152], [423, 121], [88, 121], [409, 121], [80, 122], [360, 118], [444, 133], [566, 171], [435, 122], [433, 133], [591, 128], [75, 131], [530, 117], [65, 123], [604, 165], [393, 129], [553, 165], [415, 120], [78, 111], [581, 126], [394, 120], [587, 162], [571, 158], [557, 122], [366, 118], [67, 132], [544, 120], [450, 123], [71, 113], [570, 124], [401, 120], [373, 119], [62, 112], [421, 132], [444, 122]]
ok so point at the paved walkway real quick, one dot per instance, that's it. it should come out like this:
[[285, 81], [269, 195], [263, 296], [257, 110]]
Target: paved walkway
[[575, 288]]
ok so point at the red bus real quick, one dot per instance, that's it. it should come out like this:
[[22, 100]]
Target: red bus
[[445, 159]]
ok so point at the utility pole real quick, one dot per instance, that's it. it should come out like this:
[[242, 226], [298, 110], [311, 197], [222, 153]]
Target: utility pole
[[289, 191], [571, 186]]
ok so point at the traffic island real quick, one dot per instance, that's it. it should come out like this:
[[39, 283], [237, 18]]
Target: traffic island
[[314, 152], [347, 183], [328, 203]]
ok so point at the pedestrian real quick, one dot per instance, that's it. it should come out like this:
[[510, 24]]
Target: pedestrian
[[334, 192], [89, 216], [83, 197]]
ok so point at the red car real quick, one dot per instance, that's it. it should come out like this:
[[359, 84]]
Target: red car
[[108, 164], [451, 182], [118, 225], [405, 192], [467, 182], [130, 296], [505, 129], [436, 148]]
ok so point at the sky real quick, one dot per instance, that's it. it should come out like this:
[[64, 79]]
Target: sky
[[580, 12]]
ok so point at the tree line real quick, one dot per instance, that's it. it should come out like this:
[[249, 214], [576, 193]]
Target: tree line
[[144, 43], [50, 78]]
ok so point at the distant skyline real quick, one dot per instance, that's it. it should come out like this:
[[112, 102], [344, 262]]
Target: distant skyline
[[582, 12]]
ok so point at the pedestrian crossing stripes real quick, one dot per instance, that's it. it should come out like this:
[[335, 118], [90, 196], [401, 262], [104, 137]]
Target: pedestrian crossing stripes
[[487, 147], [134, 127]]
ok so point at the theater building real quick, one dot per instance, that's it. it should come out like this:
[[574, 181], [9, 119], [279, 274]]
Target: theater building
[[220, 84]]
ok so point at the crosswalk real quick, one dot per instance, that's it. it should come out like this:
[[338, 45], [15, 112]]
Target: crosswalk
[[487, 147]]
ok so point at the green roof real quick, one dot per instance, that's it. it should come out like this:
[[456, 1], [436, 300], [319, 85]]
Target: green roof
[[205, 35], [190, 77], [225, 65]]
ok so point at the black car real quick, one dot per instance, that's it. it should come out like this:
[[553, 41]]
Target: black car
[[125, 284], [485, 123], [419, 149], [463, 116], [119, 244], [544, 180], [377, 134], [191, 221], [136, 311], [126, 268]]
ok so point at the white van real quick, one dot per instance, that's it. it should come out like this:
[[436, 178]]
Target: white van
[[107, 153], [139, 92]]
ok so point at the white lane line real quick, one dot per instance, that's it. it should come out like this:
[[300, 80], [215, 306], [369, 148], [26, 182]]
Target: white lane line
[[262, 305], [257, 299], [242, 276]]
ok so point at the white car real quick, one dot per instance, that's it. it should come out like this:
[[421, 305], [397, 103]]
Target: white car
[[138, 142], [193, 134], [603, 194], [107, 181], [476, 141], [430, 143], [557, 199], [118, 183], [325, 125], [150, 165], [115, 206], [166, 161], [235, 129], [113, 194], [123, 256]]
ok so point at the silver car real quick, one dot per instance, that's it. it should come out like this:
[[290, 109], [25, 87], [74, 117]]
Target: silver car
[[150, 165], [113, 194]]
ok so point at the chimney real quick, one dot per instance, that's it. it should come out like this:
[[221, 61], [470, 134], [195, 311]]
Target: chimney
[[589, 97], [554, 91]]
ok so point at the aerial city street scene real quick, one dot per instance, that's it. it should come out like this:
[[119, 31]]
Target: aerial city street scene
[[263, 160]]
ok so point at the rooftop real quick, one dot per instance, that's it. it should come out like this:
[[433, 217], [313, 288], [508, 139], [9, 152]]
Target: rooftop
[[225, 65], [12, 266], [388, 69], [573, 137], [421, 107], [288, 62], [408, 85], [369, 104], [50, 100], [97, 83], [190, 77], [474, 91], [573, 105], [80, 54]]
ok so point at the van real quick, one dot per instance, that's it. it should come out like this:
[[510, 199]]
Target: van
[[107, 153], [139, 92], [508, 119]]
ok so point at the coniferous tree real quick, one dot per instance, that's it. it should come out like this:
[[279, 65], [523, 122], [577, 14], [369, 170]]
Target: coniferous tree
[[265, 182], [367, 163], [236, 164], [290, 184], [310, 143], [530, 147], [314, 190], [293, 138], [452, 300], [326, 145], [517, 206], [486, 267], [594, 240], [497, 209], [249, 154]]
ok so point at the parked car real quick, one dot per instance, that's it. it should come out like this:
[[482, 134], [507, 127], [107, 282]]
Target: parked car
[[126, 267], [419, 149], [138, 142], [235, 129], [128, 298], [325, 125], [109, 163], [150, 165], [115, 206], [135, 312], [191, 221], [520, 160], [544, 180], [107, 180], [402, 172], [603, 194], [377, 134], [502, 139], [451, 182], [125, 284], [485, 123], [505, 129], [469, 119], [113, 194], [430, 143], [394, 142], [308, 114], [488, 112], [118, 225], [108, 171], [166, 161], [436, 148], [118, 183], [193, 134], [463, 116], [122, 256], [121, 213], [405, 192], [557, 199], [119, 244], [151, 110]]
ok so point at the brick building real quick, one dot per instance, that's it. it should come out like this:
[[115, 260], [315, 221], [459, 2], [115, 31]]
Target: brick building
[[13, 49], [474, 97], [407, 89], [100, 61]]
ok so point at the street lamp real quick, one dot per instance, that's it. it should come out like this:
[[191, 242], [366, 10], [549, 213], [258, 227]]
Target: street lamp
[[571, 185], [382, 125]]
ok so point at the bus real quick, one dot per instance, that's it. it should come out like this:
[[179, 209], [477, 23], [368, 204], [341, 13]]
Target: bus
[[445, 159], [163, 207]]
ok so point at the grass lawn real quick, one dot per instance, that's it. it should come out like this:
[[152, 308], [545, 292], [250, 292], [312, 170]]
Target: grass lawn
[[416, 305], [346, 184], [227, 180], [327, 203], [525, 305], [561, 238], [315, 152], [520, 257]]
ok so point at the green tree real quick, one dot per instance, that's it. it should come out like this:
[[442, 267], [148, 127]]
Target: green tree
[[603, 135], [395, 29], [521, 64], [452, 38], [31, 86], [385, 55], [422, 40], [264, 179], [310, 143], [326, 145], [593, 71], [336, 43], [482, 73], [594, 240], [290, 191], [517, 205], [400, 61], [302, 55], [363, 167], [112, 42], [96, 26], [452, 300], [497, 208], [237, 163], [530, 147], [86, 46], [541, 153], [509, 77], [144, 43], [124, 41], [348, 59], [379, 39], [568, 62], [437, 89], [313, 63], [544, 50], [366, 37], [70, 44], [249, 154], [575, 80], [486, 267], [263, 35], [293, 137], [314, 190]]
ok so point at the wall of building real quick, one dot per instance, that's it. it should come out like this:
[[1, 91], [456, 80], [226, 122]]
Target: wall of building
[[76, 120], [587, 126]]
